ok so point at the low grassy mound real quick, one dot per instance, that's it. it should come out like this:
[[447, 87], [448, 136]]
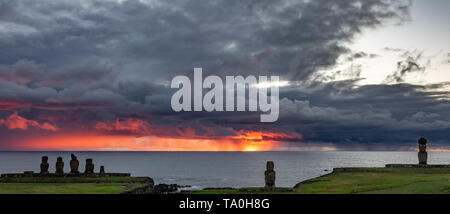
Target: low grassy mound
[[67, 188], [364, 181], [381, 180], [70, 185], [245, 190]]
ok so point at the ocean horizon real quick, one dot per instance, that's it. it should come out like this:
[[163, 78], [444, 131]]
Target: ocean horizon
[[216, 169]]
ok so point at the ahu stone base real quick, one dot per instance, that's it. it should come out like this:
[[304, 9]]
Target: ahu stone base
[[417, 165], [31, 174]]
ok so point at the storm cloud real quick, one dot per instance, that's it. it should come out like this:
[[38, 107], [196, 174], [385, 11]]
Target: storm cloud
[[106, 66]]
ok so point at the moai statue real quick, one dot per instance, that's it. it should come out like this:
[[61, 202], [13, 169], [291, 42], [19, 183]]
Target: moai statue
[[423, 155], [270, 176], [59, 166], [74, 163], [89, 168], [44, 165], [102, 170]]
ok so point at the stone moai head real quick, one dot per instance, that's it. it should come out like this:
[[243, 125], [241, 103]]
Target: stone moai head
[[422, 144], [89, 167], [44, 165], [89, 161], [270, 166], [74, 163], [59, 166], [269, 175]]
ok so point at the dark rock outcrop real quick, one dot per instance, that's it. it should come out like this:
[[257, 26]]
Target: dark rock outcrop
[[165, 188], [148, 189]]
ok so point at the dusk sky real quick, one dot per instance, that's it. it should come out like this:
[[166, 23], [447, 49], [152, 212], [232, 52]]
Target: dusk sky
[[95, 75]]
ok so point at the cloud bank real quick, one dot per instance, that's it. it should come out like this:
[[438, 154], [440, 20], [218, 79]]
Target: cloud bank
[[105, 67]]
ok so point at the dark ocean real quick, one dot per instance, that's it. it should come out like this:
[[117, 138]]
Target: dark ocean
[[218, 169]]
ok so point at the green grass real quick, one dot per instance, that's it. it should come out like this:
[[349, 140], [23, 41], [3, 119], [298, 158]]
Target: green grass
[[67, 188], [381, 180], [81, 179], [70, 185], [246, 190], [431, 187], [369, 181]]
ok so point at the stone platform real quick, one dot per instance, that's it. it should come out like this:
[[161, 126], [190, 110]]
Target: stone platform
[[31, 174], [352, 169], [363, 169], [417, 165]]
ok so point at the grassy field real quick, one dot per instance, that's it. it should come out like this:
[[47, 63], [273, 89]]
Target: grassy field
[[369, 181], [245, 190], [66, 188], [70, 185]]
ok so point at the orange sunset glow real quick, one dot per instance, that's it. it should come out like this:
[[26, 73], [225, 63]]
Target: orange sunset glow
[[247, 141], [133, 134]]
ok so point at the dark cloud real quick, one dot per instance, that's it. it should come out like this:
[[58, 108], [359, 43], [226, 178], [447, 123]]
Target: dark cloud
[[21, 72], [88, 64], [361, 54], [371, 113], [162, 38], [405, 67], [393, 49], [6, 8]]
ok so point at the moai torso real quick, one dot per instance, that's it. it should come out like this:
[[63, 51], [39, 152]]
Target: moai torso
[[270, 175], [59, 166], [74, 163], [89, 168], [44, 165], [422, 155], [102, 170]]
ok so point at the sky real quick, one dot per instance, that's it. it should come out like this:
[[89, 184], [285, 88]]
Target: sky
[[95, 75]]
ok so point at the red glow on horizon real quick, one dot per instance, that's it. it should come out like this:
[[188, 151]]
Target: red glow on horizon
[[139, 135], [244, 141], [14, 121], [10, 105], [262, 141], [132, 143], [187, 139], [129, 124]]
